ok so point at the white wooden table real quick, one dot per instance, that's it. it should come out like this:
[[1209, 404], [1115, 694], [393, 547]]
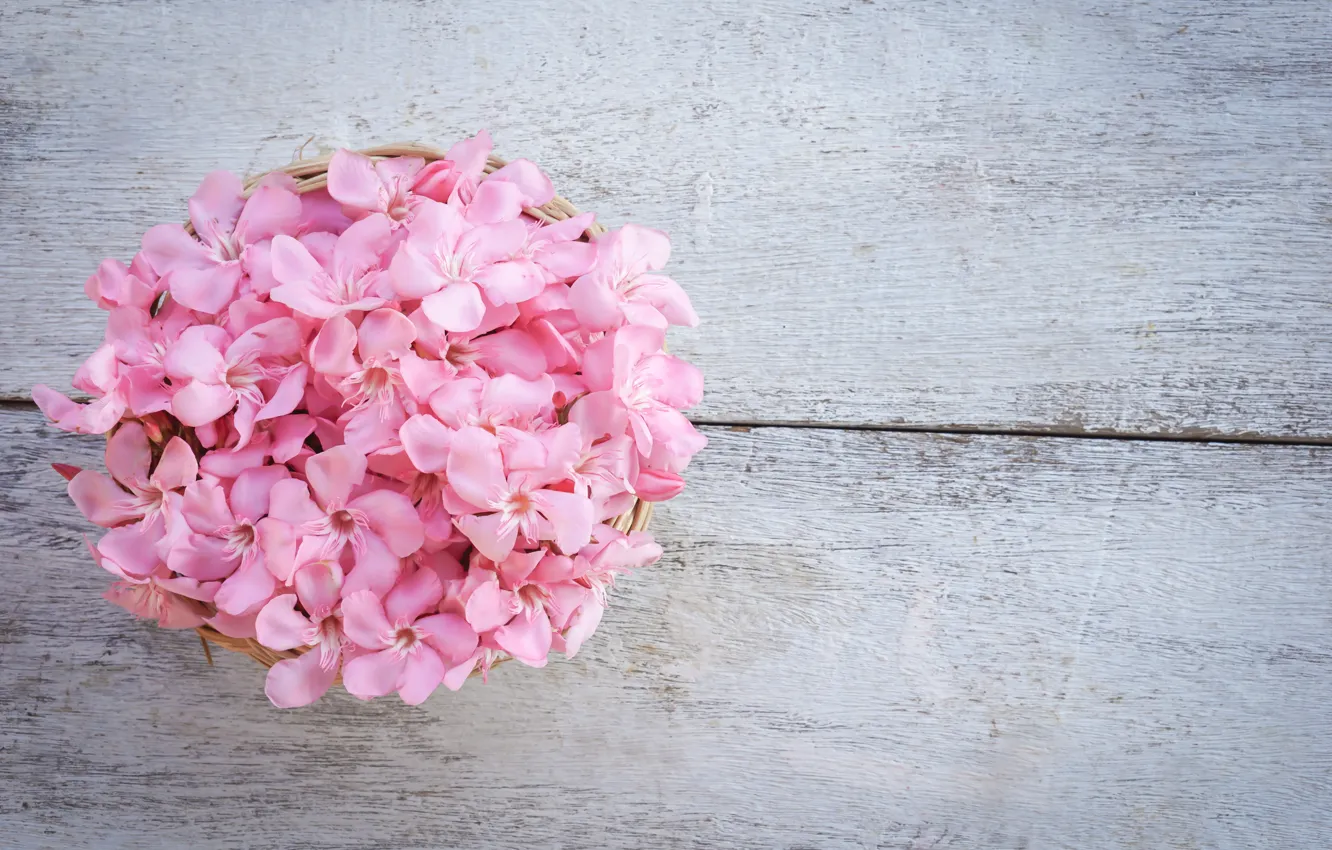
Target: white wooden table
[[1014, 530]]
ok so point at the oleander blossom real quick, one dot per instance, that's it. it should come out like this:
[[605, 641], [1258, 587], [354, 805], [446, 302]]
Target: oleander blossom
[[389, 430]]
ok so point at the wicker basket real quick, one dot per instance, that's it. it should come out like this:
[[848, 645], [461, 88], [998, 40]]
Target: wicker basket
[[312, 174]]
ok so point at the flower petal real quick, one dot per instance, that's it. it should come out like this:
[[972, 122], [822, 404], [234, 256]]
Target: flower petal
[[364, 621], [199, 403], [318, 586], [333, 474], [246, 589], [475, 467], [279, 625], [450, 635], [352, 181], [571, 516], [413, 596], [331, 351], [296, 682], [426, 441], [421, 675], [527, 637], [457, 307], [99, 499], [373, 674]]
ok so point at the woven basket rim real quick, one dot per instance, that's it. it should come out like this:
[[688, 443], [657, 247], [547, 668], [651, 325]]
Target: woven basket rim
[[312, 174]]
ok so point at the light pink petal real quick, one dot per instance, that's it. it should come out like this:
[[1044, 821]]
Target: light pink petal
[[320, 212], [207, 290], [377, 568], [237, 627], [99, 373], [177, 466], [205, 507], [469, 156], [455, 677], [100, 500], [422, 376], [668, 298], [636, 249], [129, 454], [567, 259], [490, 607], [364, 621], [475, 467], [199, 403], [373, 674], [421, 675], [426, 441], [373, 428], [228, 463], [331, 351], [536, 188], [456, 402], [333, 474], [633, 344], [583, 625], [450, 636], [487, 535], [297, 682], [656, 486], [522, 398], [168, 246], [246, 589], [279, 625], [288, 394], [202, 558], [352, 181], [511, 282], [290, 502], [289, 435], [318, 586], [492, 243], [195, 354], [512, 351], [595, 303], [495, 201], [392, 516], [571, 516], [277, 542], [270, 211], [217, 203], [276, 338], [361, 246], [413, 596], [527, 637], [598, 415], [293, 266], [56, 406], [457, 307], [250, 491], [412, 274], [385, 333]]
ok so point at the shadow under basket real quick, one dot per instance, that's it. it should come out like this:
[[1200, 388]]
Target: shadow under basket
[[312, 174]]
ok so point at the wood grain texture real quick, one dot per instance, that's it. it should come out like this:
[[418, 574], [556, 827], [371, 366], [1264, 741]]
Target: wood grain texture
[[1082, 216], [856, 640]]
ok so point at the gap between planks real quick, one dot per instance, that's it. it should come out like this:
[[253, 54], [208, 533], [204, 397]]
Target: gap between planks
[[1191, 435]]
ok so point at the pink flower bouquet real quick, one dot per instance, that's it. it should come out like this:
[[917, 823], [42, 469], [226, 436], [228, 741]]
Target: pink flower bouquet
[[390, 416]]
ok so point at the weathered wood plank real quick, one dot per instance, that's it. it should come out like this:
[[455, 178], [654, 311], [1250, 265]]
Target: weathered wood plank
[[1078, 216], [855, 640]]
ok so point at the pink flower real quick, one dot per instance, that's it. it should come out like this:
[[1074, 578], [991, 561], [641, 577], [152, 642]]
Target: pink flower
[[448, 263], [366, 187], [362, 365], [408, 650], [252, 374], [300, 681], [496, 506], [380, 525], [204, 275], [113, 285], [135, 493], [633, 380], [99, 376], [353, 280], [620, 287]]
